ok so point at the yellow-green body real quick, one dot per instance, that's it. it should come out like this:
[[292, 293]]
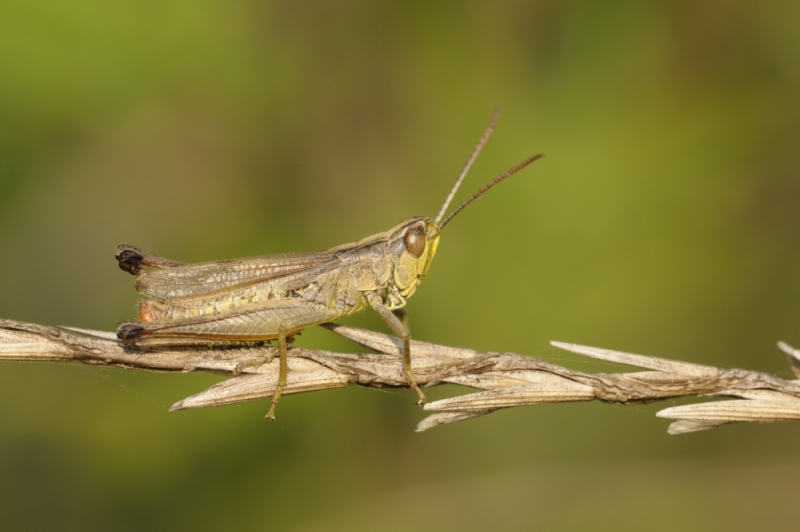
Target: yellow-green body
[[246, 300]]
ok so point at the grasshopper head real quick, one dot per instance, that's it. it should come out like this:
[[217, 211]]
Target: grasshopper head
[[412, 245]]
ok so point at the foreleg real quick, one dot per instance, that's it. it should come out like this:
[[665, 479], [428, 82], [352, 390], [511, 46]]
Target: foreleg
[[401, 330]]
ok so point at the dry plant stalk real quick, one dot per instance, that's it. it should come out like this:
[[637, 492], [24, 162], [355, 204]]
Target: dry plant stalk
[[505, 379]]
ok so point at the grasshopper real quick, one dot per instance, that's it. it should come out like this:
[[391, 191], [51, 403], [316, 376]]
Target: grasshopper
[[274, 297]]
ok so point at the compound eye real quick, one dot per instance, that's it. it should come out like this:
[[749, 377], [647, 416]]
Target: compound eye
[[414, 241]]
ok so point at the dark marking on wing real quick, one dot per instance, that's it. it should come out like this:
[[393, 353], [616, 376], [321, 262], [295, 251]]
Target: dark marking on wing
[[133, 260]]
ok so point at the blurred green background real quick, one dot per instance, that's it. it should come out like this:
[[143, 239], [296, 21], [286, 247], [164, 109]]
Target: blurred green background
[[663, 221]]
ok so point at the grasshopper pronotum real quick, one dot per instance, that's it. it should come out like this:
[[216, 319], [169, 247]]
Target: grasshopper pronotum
[[273, 297]]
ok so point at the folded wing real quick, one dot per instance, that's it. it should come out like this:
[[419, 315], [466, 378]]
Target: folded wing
[[188, 281]]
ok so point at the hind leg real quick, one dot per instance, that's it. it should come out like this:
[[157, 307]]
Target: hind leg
[[269, 320], [282, 372]]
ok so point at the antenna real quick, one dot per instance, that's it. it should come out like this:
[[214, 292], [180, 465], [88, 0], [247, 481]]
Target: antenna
[[490, 184], [472, 156]]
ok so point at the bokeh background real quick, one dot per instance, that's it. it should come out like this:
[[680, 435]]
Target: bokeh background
[[663, 221]]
